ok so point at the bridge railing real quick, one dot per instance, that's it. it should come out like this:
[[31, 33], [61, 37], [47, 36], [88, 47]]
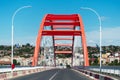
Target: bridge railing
[[6, 73], [114, 70], [8, 69], [96, 76]]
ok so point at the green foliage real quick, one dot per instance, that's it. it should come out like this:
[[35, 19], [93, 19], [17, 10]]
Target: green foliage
[[95, 62], [26, 49], [1, 47], [114, 63], [106, 49], [15, 62], [28, 45], [90, 62], [64, 55]]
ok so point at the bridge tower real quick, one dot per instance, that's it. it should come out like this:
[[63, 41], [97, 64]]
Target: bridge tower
[[61, 22]]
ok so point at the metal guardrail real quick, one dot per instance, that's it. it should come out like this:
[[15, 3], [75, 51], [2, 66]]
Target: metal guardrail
[[95, 76], [105, 69]]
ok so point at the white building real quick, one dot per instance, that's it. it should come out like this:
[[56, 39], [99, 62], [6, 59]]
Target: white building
[[5, 58], [78, 59], [63, 61]]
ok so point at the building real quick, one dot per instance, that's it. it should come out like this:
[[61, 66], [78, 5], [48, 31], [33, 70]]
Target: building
[[6, 60], [78, 59]]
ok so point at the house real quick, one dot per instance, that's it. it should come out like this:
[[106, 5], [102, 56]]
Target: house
[[78, 59]]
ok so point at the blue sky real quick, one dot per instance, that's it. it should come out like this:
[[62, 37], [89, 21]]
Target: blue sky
[[27, 20]]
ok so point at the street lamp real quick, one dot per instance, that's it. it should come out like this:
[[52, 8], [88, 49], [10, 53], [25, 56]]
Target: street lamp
[[12, 34], [87, 8]]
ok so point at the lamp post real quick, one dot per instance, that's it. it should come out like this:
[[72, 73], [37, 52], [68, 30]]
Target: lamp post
[[12, 34], [87, 8]]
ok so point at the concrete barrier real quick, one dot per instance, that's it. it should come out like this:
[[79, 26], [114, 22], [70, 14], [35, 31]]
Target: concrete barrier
[[9, 75], [113, 70], [3, 76], [96, 76]]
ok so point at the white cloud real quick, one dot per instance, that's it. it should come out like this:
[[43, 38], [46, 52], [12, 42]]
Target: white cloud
[[24, 40], [109, 36], [5, 42], [103, 18], [20, 40]]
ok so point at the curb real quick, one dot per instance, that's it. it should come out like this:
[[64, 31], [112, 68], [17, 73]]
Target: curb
[[94, 75]]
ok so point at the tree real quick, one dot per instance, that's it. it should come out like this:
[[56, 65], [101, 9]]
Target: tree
[[90, 62], [95, 61], [1, 47], [15, 61], [115, 62], [112, 63], [28, 45]]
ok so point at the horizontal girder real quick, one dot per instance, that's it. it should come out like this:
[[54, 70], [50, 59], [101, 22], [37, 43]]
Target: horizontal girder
[[61, 23], [63, 27], [61, 32], [62, 17]]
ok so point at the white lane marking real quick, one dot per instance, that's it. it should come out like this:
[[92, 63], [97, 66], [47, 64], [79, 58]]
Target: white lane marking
[[54, 75]]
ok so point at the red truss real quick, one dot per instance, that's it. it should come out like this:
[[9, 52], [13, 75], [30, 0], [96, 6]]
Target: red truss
[[61, 25]]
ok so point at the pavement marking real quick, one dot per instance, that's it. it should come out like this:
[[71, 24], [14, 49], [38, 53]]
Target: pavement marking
[[54, 75]]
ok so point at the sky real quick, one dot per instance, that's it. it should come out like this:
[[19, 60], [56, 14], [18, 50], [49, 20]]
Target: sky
[[27, 21]]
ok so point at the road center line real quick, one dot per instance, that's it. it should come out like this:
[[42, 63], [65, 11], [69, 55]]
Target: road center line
[[54, 75]]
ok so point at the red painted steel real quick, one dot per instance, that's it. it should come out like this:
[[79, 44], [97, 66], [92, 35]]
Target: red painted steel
[[63, 27], [84, 45], [38, 42], [61, 32], [61, 22], [62, 17]]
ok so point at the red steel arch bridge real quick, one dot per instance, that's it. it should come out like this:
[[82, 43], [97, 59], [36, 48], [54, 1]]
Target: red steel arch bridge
[[61, 25]]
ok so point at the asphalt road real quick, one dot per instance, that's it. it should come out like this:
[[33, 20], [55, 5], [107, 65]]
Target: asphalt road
[[55, 74]]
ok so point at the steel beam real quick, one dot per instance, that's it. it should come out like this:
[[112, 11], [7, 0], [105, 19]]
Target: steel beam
[[73, 17], [61, 23], [38, 43], [63, 27], [84, 44], [61, 33]]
